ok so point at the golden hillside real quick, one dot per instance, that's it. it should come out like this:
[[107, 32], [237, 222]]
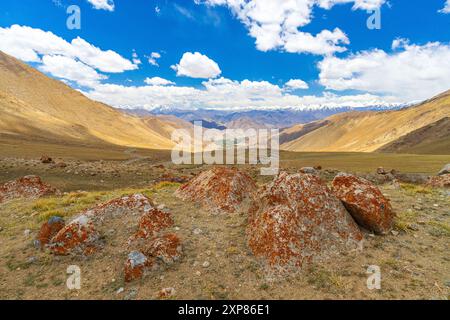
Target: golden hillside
[[371, 130], [36, 107]]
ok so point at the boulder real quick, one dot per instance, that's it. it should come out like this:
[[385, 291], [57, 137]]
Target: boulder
[[442, 181], [297, 220], [157, 253], [381, 170], [28, 187], [135, 266], [48, 230], [365, 202], [79, 236], [135, 204], [445, 170], [220, 190], [152, 222], [166, 249]]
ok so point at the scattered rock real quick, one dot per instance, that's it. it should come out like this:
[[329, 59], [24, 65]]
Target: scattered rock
[[296, 220], [120, 290], [152, 222], [166, 249], [48, 230], [442, 181], [381, 170], [206, 264], [168, 177], [167, 293], [27, 233], [308, 170], [445, 170], [29, 187], [135, 266], [318, 168], [79, 236], [46, 159], [370, 208], [220, 190], [197, 231]]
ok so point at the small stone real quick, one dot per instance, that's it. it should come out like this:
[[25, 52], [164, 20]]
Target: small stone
[[131, 294], [208, 252], [120, 290], [167, 293], [413, 227], [161, 207], [197, 231], [27, 233], [198, 273], [394, 233], [206, 264]]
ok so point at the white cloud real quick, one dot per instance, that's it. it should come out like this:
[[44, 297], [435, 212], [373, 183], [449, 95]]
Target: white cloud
[[102, 4], [296, 84], [410, 72], [224, 94], [275, 24], [157, 81], [153, 58], [69, 69], [28, 44], [446, 8], [197, 65], [136, 59]]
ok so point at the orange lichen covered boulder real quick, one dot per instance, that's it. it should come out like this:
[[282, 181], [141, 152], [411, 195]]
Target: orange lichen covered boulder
[[136, 266], [442, 181], [158, 252], [166, 249], [368, 206], [48, 230], [221, 190], [297, 220], [135, 204], [152, 222], [79, 236], [29, 187]]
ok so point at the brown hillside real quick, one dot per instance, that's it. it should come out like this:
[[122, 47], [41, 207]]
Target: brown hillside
[[370, 131], [36, 107]]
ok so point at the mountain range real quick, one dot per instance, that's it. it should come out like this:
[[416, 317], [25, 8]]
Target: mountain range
[[35, 107]]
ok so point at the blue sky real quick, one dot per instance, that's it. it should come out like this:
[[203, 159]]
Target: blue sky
[[241, 59]]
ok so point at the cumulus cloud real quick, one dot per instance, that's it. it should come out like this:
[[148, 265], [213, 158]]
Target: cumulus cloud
[[70, 69], [446, 8], [410, 72], [157, 81], [197, 65], [275, 24], [27, 44], [296, 84], [153, 58], [224, 94], [103, 4]]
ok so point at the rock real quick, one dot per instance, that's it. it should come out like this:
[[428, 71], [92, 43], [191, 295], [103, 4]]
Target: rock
[[28, 187], [197, 231], [120, 290], [135, 266], [48, 230], [152, 222], [442, 181], [206, 264], [168, 177], [318, 168], [46, 159], [27, 233], [365, 202], [394, 233], [445, 170], [308, 170], [166, 249], [131, 294], [135, 204], [79, 236], [381, 170], [297, 220], [167, 293], [220, 190], [61, 165]]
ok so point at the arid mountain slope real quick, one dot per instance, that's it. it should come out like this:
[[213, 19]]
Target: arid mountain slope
[[36, 107], [431, 139], [370, 131]]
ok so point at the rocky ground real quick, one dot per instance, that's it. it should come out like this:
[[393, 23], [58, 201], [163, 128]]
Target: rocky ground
[[216, 262]]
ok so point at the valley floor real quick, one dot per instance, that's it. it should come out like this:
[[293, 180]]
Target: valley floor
[[414, 259]]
